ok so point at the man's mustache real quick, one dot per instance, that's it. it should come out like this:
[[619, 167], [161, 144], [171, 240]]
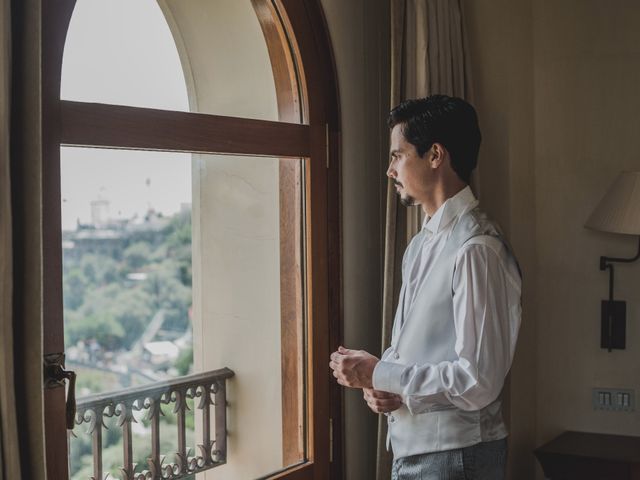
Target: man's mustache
[[398, 184]]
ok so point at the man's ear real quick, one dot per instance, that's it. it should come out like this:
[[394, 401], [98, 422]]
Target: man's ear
[[437, 154]]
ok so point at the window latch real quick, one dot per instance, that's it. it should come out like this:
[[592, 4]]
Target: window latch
[[54, 377]]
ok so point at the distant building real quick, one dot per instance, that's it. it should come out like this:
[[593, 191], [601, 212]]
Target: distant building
[[161, 354], [99, 212], [107, 236]]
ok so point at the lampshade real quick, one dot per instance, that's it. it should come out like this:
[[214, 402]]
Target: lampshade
[[619, 209]]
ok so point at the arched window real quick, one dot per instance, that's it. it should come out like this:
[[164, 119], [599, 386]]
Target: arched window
[[190, 159]]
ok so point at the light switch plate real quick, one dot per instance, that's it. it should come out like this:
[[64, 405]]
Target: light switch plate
[[613, 399]]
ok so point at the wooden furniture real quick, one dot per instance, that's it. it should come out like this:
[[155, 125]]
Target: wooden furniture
[[587, 456]]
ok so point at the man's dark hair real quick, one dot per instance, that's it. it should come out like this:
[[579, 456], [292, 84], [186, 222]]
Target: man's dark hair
[[450, 121]]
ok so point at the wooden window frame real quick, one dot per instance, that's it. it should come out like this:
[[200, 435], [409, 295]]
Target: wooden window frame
[[309, 128]]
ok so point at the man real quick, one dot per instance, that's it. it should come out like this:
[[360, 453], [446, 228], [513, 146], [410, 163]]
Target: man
[[458, 316]]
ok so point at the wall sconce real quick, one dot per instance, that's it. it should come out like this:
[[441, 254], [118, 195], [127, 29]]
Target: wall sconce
[[617, 212]]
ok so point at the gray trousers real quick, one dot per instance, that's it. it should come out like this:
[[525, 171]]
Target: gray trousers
[[484, 461]]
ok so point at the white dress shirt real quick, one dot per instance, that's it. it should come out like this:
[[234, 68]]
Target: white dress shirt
[[487, 310]]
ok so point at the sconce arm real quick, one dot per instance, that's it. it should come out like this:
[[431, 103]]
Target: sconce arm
[[605, 261]]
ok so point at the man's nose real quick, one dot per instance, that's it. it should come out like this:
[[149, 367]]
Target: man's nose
[[391, 172]]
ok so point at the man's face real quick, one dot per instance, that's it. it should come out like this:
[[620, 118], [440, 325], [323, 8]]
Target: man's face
[[409, 171]]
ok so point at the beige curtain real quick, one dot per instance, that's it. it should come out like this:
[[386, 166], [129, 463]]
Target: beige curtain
[[428, 56], [21, 406]]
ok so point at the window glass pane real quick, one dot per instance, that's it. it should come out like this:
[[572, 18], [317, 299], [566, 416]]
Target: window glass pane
[[122, 52], [176, 264], [204, 56], [127, 285], [126, 221]]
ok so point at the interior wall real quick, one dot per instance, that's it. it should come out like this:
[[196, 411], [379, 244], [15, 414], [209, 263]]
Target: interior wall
[[587, 72], [359, 31], [556, 86]]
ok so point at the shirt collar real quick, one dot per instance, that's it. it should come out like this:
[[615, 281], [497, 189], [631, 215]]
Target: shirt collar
[[453, 207]]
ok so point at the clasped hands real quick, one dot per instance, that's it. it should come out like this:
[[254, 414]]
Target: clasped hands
[[354, 368]]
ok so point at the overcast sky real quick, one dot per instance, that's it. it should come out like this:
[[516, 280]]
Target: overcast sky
[[122, 52]]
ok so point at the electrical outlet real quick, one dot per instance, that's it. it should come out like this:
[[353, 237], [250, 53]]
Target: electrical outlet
[[613, 399]]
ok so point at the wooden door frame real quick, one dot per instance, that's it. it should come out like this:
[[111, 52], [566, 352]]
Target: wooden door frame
[[317, 139]]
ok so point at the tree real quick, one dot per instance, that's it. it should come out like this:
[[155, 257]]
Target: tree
[[137, 255], [74, 289], [102, 327]]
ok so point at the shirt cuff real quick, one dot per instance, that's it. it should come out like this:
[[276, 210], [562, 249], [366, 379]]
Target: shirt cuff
[[387, 377]]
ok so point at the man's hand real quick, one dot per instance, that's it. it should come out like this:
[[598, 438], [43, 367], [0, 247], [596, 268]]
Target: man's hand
[[381, 402], [353, 368]]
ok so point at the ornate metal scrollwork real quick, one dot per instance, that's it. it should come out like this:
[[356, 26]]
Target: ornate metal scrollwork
[[208, 388]]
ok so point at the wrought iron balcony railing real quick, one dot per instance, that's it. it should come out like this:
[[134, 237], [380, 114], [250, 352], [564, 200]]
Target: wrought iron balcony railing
[[207, 389]]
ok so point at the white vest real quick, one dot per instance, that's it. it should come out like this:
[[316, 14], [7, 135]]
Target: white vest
[[417, 340]]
